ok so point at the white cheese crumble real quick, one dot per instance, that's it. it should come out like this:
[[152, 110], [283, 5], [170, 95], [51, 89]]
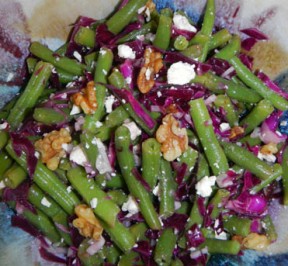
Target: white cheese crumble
[[98, 124], [78, 156], [75, 110], [77, 56], [204, 186], [45, 202], [126, 52], [109, 101], [102, 163], [130, 206], [69, 189], [271, 158], [67, 147], [3, 125], [93, 203], [224, 127], [177, 205], [156, 190], [133, 129], [180, 73], [103, 51], [221, 236], [182, 23], [2, 184]]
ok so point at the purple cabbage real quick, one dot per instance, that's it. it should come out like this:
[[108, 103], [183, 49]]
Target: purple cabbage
[[194, 236], [248, 43], [176, 221], [22, 144], [139, 177], [254, 33], [49, 256]]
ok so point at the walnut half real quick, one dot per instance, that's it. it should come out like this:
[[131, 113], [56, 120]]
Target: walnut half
[[173, 139], [87, 224]]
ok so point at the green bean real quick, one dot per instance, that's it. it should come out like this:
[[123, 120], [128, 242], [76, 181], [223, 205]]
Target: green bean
[[258, 114], [231, 49], [14, 176], [138, 230], [163, 33], [145, 29], [203, 167], [248, 161], [284, 176], [30, 95], [277, 172], [48, 182], [201, 43], [5, 162], [116, 117], [4, 137], [89, 145], [90, 61], [31, 63], [65, 63], [256, 84], [177, 262], [116, 79], [61, 50], [126, 163], [105, 208], [189, 157], [217, 246], [204, 128], [166, 189], [48, 206], [118, 196], [184, 208], [120, 235], [164, 247], [48, 116], [269, 228], [193, 51], [180, 43], [64, 76], [151, 155], [195, 216], [220, 85], [219, 38], [42, 222], [112, 254], [217, 202], [209, 18], [4, 112], [85, 37], [87, 259], [251, 141], [130, 258], [223, 101], [124, 15], [104, 63], [237, 226], [114, 182]]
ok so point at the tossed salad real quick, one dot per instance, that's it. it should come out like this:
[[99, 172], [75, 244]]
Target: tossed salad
[[145, 139]]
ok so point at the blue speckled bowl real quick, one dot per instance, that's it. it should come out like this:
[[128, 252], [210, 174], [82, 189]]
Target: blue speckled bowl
[[24, 20]]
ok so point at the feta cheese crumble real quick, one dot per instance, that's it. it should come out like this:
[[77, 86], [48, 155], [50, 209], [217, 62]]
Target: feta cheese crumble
[[102, 163], [130, 206], [125, 51], [204, 186], [109, 101], [45, 202], [93, 203], [75, 110], [224, 127], [182, 23], [180, 73], [270, 158], [133, 129], [78, 156]]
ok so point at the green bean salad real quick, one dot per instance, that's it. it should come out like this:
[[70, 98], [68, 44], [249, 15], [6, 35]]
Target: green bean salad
[[145, 139]]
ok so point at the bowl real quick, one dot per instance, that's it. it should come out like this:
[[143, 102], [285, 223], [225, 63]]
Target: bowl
[[23, 21]]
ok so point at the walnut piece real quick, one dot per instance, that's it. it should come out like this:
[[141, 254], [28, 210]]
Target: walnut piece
[[51, 149], [173, 139], [152, 65], [86, 99], [256, 242], [236, 132], [270, 148], [87, 224]]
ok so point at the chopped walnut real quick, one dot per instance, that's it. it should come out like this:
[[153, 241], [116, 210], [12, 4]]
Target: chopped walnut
[[256, 242], [236, 132], [150, 5], [174, 139], [270, 148], [87, 224], [86, 99], [51, 147], [152, 65]]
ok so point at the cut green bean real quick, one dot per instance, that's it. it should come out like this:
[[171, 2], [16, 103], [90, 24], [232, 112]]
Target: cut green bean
[[4, 137], [237, 226], [269, 228], [85, 36], [258, 114], [65, 63], [189, 157], [219, 38], [151, 155], [217, 202], [256, 84], [203, 167], [48, 116], [284, 176], [204, 128], [14, 176], [5, 162], [231, 49], [180, 43], [163, 33], [209, 18], [124, 15], [138, 230], [30, 95], [217, 246], [126, 163]]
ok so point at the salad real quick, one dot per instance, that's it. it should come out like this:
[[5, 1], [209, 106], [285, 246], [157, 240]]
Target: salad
[[146, 139]]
